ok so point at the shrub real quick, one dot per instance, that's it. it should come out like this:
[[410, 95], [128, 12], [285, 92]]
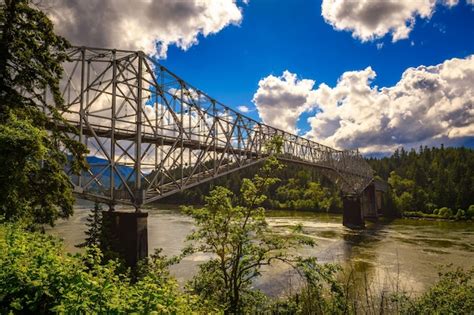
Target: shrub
[[430, 207], [461, 214], [452, 294], [445, 212], [37, 277], [436, 211], [470, 212]]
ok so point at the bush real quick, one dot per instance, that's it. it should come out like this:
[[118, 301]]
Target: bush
[[470, 212], [461, 214], [430, 207], [445, 212], [452, 294], [436, 211], [37, 277]]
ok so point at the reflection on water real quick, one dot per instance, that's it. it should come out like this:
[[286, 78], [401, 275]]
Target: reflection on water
[[408, 250]]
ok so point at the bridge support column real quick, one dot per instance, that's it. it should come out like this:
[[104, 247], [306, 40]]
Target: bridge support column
[[370, 203], [352, 217], [130, 230]]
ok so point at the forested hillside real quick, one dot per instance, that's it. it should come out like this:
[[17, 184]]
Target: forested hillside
[[429, 178], [423, 180], [299, 188]]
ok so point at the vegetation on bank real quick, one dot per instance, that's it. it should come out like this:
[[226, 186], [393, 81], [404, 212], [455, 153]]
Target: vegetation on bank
[[38, 277], [299, 188], [429, 183], [443, 214]]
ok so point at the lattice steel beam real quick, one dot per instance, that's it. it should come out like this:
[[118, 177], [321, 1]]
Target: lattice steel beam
[[156, 135]]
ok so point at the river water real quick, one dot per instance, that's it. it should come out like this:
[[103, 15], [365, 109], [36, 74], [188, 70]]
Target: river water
[[410, 252]]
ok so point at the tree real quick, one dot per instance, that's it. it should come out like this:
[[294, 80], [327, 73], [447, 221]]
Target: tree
[[33, 133], [239, 238], [95, 231], [437, 177]]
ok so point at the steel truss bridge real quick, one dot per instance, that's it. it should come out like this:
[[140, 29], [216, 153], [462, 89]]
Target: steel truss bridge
[[152, 134]]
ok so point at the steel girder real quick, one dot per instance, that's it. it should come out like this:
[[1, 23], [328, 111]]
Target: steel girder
[[152, 134]]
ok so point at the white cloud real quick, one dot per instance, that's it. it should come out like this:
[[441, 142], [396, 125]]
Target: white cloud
[[372, 19], [281, 100], [148, 25], [243, 109], [428, 105], [429, 102], [450, 3]]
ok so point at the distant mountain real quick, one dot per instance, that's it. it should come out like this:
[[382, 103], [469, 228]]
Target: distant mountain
[[98, 165]]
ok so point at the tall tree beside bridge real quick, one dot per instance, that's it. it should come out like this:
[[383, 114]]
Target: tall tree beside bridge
[[34, 183]]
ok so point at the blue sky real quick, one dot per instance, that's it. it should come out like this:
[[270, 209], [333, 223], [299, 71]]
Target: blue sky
[[336, 71], [292, 35]]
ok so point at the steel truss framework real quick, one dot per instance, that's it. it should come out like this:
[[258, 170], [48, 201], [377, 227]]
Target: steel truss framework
[[153, 134]]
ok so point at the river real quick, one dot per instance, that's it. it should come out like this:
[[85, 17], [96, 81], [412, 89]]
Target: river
[[408, 251]]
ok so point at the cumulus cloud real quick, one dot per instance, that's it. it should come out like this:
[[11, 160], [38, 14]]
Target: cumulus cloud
[[148, 25], [369, 20], [243, 108], [281, 100], [428, 105], [428, 102]]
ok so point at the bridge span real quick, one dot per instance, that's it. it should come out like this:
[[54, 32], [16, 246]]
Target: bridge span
[[152, 134]]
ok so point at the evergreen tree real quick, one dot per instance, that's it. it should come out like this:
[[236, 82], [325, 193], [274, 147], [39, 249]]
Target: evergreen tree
[[95, 231], [429, 179]]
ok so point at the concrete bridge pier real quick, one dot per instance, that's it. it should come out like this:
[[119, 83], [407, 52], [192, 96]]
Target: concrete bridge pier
[[352, 216], [129, 231], [357, 208]]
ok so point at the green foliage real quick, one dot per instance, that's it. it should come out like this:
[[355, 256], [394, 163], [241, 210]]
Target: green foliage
[[431, 177], [300, 193], [460, 214], [445, 212], [100, 235], [402, 192], [38, 278], [322, 292], [95, 230], [452, 294], [35, 186], [239, 239], [470, 212], [299, 188]]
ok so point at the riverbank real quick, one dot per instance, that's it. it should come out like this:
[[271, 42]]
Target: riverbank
[[418, 215]]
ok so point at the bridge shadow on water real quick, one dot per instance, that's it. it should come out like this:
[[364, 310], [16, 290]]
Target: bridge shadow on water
[[357, 248]]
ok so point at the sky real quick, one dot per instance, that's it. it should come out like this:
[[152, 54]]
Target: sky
[[373, 74]]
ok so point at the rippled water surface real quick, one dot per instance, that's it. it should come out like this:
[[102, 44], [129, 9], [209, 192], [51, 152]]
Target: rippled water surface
[[408, 250]]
